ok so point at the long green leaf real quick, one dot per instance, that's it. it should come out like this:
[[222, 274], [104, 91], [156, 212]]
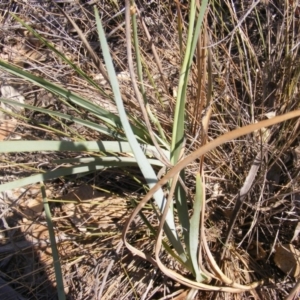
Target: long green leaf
[[178, 131], [110, 161], [108, 118], [194, 229], [89, 146], [63, 57], [62, 172], [152, 116], [56, 261], [145, 167], [88, 124], [179, 116]]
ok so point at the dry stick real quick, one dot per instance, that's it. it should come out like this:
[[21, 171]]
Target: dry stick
[[120, 244], [241, 197], [163, 157], [92, 53], [231, 33], [201, 72], [203, 243], [157, 60], [294, 294]]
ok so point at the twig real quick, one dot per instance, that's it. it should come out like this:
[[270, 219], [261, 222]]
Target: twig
[[240, 198], [294, 294], [163, 158], [108, 270]]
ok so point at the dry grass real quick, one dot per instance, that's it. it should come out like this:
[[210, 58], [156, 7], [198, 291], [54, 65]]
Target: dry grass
[[255, 71]]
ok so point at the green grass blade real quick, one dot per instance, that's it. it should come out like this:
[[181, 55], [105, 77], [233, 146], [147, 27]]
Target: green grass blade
[[110, 161], [56, 261], [194, 229], [50, 175], [182, 210], [88, 124], [178, 131], [108, 118], [89, 146], [179, 117], [87, 165], [94, 165], [63, 57], [151, 115], [145, 167]]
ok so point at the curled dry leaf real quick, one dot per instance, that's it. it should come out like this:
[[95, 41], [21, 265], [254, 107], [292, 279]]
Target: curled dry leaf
[[287, 258], [7, 128], [8, 124], [296, 232], [30, 202], [9, 92], [26, 201], [35, 232], [23, 50]]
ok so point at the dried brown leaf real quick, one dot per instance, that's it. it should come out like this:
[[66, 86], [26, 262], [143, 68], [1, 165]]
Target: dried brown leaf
[[287, 258]]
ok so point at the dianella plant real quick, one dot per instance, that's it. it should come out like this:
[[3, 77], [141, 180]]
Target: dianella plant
[[146, 143]]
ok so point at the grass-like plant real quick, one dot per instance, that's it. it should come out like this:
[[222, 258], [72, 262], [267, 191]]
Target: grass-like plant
[[128, 141]]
